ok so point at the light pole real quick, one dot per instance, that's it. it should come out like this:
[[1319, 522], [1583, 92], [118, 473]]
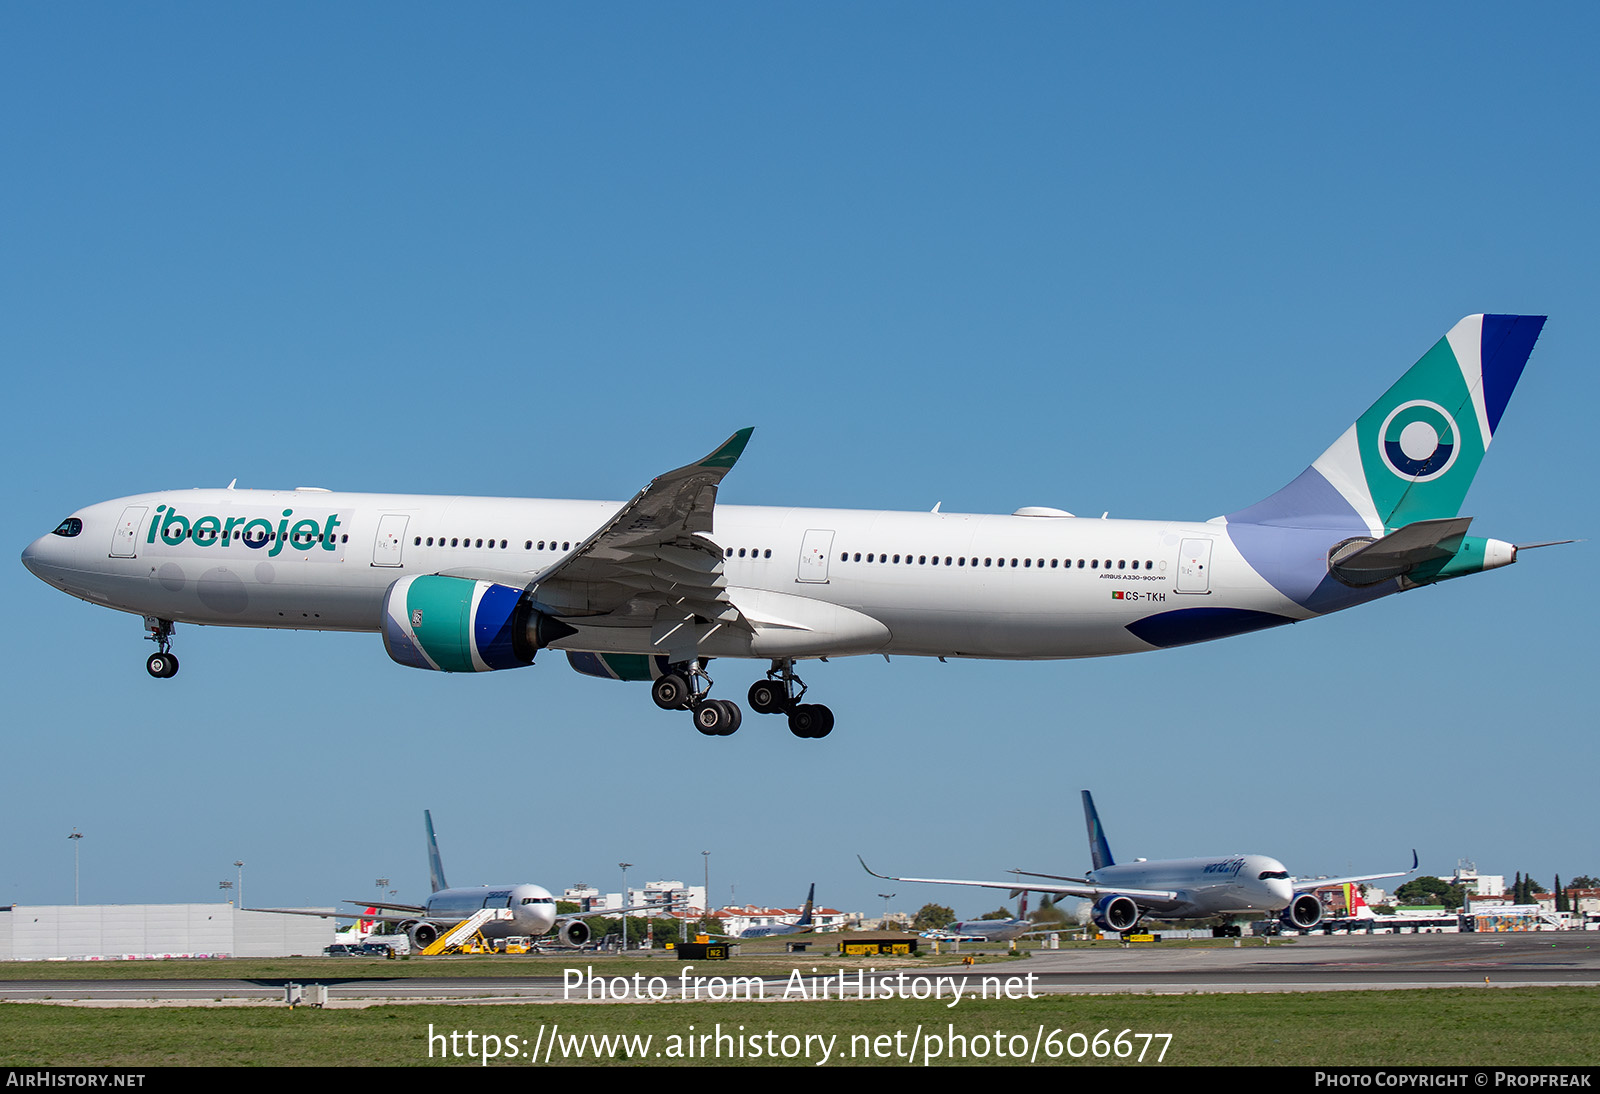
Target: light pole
[[705, 858], [75, 837], [624, 866], [884, 925], [240, 865], [225, 886]]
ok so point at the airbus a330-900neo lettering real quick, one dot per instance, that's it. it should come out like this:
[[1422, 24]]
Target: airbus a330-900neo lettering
[[1222, 886], [655, 588]]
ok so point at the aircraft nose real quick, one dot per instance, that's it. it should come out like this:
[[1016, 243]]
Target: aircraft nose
[[46, 560], [33, 557]]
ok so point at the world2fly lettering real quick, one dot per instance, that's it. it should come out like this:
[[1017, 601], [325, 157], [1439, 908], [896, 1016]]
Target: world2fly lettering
[[655, 588]]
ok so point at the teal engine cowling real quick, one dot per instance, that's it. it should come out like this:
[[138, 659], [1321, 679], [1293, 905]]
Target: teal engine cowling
[[456, 624]]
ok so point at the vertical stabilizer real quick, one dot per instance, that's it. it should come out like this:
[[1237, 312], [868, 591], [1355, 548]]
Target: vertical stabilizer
[[1099, 850], [805, 913], [1413, 454], [435, 863]]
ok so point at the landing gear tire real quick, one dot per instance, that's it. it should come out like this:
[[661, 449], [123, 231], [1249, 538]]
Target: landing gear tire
[[825, 723], [162, 666], [671, 692], [717, 717], [767, 697], [812, 720]]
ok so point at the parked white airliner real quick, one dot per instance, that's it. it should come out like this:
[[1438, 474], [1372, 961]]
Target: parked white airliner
[[533, 909], [804, 925], [1189, 888], [655, 588], [1004, 929]]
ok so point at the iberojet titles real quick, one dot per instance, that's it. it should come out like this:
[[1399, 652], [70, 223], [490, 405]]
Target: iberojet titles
[[305, 534]]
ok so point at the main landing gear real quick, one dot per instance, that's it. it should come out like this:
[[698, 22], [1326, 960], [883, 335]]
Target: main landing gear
[[777, 694], [162, 665], [687, 686]]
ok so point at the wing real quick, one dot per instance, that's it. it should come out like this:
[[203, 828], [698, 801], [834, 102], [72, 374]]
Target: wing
[[607, 913], [1302, 884], [1088, 891], [652, 563], [382, 917], [1052, 877]]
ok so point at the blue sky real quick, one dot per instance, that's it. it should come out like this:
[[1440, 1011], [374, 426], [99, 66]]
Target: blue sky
[[1149, 260]]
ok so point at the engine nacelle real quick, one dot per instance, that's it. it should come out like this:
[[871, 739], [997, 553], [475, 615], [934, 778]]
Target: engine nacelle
[[1116, 913], [574, 933], [1303, 912], [455, 624], [422, 935]]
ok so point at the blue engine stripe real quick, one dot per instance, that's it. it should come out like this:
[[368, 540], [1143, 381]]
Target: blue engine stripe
[[491, 627]]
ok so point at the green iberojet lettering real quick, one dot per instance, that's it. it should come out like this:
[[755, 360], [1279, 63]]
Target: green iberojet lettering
[[175, 528]]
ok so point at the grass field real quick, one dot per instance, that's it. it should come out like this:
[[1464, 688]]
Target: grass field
[[1467, 1027]]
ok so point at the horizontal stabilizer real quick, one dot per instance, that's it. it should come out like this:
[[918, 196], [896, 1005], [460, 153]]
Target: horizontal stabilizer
[[1398, 552]]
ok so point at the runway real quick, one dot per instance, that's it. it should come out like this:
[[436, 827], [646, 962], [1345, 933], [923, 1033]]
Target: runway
[[1315, 963]]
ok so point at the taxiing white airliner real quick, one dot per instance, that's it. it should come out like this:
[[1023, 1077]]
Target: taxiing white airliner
[[655, 588], [1191, 888]]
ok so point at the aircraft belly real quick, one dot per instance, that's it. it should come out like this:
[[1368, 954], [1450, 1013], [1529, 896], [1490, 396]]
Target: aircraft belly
[[202, 591], [1009, 635]]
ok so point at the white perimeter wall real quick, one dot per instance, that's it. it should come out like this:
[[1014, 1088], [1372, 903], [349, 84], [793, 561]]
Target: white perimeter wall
[[56, 931]]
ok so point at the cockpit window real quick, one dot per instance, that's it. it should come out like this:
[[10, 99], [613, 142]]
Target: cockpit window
[[538, 900], [69, 527], [1269, 875]]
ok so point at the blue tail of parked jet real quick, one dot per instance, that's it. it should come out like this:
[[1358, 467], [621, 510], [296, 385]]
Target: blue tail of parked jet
[[1099, 849], [435, 863], [805, 913]]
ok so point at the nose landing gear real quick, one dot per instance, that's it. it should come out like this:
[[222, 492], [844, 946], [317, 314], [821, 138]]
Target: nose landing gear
[[162, 665]]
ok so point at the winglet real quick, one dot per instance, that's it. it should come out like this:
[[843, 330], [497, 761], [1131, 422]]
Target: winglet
[[871, 871], [731, 449]]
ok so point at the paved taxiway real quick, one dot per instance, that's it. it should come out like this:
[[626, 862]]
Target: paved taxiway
[[1316, 963]]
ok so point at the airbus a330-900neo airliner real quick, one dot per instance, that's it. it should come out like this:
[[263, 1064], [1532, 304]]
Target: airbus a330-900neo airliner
[[655, 588]]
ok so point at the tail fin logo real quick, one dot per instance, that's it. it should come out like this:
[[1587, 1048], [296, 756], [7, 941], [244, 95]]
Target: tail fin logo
[[1418, 441]]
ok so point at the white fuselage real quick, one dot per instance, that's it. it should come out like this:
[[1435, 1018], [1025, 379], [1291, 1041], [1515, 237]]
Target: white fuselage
[[992, 930], [533, 909], [1225, 885], [816, 582]]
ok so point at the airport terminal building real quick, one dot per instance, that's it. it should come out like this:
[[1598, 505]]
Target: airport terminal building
[[109, 932]]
